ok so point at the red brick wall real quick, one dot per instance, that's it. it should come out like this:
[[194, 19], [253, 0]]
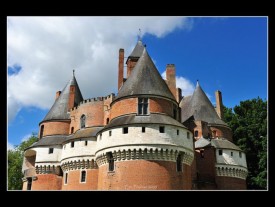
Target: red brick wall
[[47, 182], [144, 175], [223, 132], [230, 183], [124, 106], [206, 166], [74, 180], [55, 127], [161, 106], [130, 105], [94, 112]]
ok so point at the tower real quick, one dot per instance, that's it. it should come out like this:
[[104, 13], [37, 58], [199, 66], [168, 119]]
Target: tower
[[144, 147]]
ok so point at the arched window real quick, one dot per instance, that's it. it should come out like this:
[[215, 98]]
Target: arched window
[[82, 121], [41, 131]]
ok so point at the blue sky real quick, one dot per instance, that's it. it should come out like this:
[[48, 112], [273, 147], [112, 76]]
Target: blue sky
[[226, 54]]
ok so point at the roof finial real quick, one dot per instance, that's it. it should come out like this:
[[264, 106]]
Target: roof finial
[[139, 35], [73, 72], [197, 83]]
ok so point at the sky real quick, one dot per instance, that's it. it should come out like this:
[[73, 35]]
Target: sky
[[224, 53]]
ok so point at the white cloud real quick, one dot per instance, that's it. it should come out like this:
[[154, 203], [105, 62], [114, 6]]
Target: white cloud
[[10, 146], [186, 86], [49, 48]]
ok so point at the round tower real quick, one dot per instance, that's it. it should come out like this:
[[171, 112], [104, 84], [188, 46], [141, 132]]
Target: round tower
[[144, 146]]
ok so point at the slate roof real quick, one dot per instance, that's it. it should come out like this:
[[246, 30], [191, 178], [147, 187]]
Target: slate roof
[[199, 106], [145, 80], [217, 143], [86, 132], [50, 140], [137, 52], [59, 109], [150, 119]]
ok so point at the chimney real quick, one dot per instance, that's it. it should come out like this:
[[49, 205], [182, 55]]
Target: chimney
[[57, 94], [219, 105], [171, 78], [120, 68], [71, 97]]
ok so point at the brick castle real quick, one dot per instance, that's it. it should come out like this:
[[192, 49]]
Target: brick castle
[[147, 137]]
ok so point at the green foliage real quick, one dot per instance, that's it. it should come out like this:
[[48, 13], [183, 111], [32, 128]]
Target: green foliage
[[248, 122], [15, 160]]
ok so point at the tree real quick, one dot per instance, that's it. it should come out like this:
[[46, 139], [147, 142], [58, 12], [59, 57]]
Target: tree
[[15, 160], [248, 122]]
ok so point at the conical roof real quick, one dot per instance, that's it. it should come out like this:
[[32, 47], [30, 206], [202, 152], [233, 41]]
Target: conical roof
[[145, 80], [59, 109], [199, 106], [137, 52]]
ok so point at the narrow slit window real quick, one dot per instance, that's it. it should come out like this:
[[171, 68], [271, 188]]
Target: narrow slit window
[[29, 185], [107, 121], [83, 176], [125, 130], [110, 133], [41, 131], [66, 178], [111, 161], [240, 154], [50, 150], [72, 144], [179, 163], [220, 152], [86, 143], [72, 130], [231, 154], [161, 129], [178, 132], [188, 135]]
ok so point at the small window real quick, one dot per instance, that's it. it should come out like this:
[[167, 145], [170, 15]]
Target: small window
[[86, 143], [50, 150], [231, 154], [29, 185], [196, 133], [107, 121], [202, 153], [220, 152], [179, 164], [41, 131], [240, 154], [110, 133], [111, 161], [142, 106], [100, 136], [125, 130], [161, 129], [82, 121], [66, 178], [178, 132], [175, 113], [188, 135], [83, 176], [143, 129], [72, 130], [72, 144]]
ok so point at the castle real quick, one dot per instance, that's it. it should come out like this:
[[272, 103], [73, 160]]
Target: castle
[[147, 137]]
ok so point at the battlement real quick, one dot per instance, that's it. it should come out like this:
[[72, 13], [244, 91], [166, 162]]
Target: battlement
[[96, 99]]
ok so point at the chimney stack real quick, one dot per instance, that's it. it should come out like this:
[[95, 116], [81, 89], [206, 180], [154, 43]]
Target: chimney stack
[[57, 94], [171, 78], [219, 104], [120, 68], [71, 97]]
